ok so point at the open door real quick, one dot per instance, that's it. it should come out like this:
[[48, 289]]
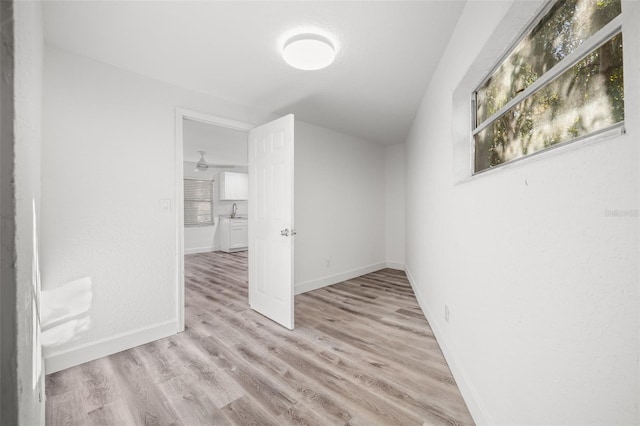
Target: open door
[[271, 220]]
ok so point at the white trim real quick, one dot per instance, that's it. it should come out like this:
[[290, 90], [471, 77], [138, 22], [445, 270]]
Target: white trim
[[603, 135], [214, 119], [196, 250], [468, 391], [181, 114], [395, 265], [57, 361], [337, 278], [179, 203]]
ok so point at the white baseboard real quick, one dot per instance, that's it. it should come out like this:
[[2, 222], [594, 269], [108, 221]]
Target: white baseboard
[[337, 278], [469, 394], [57, 361], [395, 265], [198, 250]]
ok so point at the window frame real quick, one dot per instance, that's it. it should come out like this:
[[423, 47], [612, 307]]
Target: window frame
[[200, 200], [596, 40]]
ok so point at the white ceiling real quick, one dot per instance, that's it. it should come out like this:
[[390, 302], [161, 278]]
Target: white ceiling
[[388, 51], [222, 145]]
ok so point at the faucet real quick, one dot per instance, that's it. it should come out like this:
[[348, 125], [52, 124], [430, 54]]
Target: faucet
[[234, 210]]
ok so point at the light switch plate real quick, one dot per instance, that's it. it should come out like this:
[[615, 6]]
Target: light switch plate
[[165, 205]]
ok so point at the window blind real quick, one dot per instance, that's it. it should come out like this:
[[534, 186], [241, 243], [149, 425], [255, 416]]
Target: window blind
[[198, 202]]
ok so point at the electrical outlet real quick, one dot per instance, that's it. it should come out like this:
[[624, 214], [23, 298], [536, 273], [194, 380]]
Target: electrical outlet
[[446, 313]]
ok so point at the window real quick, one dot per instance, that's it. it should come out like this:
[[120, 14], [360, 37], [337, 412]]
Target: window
[[198, 202], [562, 81]]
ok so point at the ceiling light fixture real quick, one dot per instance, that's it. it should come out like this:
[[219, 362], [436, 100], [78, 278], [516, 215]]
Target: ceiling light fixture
[[202, 165], [308, 52]]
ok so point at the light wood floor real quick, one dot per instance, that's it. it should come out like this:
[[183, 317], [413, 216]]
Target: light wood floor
[[362, 353]]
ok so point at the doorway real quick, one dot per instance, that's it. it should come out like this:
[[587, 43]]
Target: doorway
[[269, 224], [194, 134]]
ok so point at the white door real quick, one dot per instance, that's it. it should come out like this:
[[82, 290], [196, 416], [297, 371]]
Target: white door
[[271, 220]]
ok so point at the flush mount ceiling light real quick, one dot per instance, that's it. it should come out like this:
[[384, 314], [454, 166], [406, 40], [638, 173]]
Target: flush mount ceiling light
[[308, 52]]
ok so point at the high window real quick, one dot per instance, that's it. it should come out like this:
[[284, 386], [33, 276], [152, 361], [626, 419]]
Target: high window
[[562, 81]]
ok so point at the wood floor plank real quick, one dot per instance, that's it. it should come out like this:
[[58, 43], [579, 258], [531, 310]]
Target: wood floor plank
[[192, 403], [271, 397], [319, 400], [373, 336], [221, 386], [245, 411], [434, 383], [144, 400], [301, 415], [112, 414], [98, 385], [157, 359], [299, 354], [62, 381], [430, 412], [362, 353], [66, 409]]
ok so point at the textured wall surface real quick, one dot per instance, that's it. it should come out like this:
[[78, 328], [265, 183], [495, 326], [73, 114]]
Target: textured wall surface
[[541, 281]]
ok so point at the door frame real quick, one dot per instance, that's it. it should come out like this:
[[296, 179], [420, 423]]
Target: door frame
[[181, 114]]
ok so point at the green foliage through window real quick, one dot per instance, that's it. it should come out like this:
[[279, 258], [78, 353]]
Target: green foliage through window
[[586, 97]]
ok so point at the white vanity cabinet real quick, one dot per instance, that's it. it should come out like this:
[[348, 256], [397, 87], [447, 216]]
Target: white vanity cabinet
[[234, 186], [234, 234]]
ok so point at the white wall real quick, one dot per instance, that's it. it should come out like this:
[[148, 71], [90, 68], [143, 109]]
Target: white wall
[[541, 283], [339, 206], [222, 146], [395, 205], [108, 158]]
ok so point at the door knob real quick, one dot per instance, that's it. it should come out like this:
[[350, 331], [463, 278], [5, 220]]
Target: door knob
[[284, 232]]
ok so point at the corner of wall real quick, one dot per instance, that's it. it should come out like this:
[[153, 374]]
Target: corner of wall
[[468, 391], [395, 206], [57, 361], [310, 285], [395, 265]]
